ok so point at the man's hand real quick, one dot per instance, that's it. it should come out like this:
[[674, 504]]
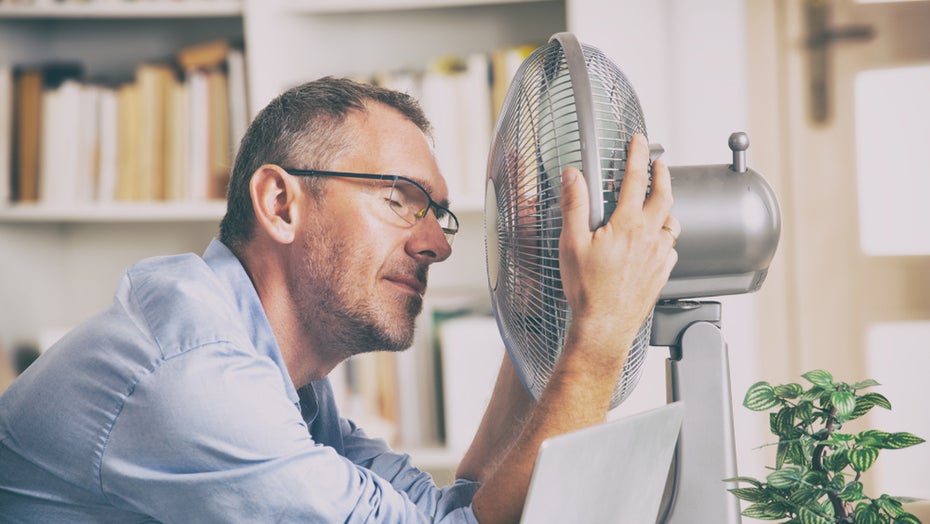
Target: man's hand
[[612, 276]]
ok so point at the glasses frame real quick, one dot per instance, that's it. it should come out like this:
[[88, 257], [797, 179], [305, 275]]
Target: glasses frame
[[431, 204]]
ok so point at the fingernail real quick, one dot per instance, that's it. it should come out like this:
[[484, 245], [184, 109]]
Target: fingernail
[[568, 176]]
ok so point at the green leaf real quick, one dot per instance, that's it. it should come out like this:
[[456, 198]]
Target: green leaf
[[812, 394], [780, 453], [804, 412], [866, 514], [862, 458], [820, 378], [873, 438], [852, 492], [751, 494], [782, 423], [867, 383], [836, 461], [784, 478], [761, 397], [889, 505], [807, 516], [804, 496], [749, 480], [765, 511], [844, 402], [788, 391], [877, 399], [902, 440], [906, 518]]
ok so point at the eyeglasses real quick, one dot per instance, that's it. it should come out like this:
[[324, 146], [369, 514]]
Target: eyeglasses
[[404, 197]]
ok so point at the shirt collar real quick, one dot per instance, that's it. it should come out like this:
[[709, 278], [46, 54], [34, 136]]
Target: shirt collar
[[229, 270]]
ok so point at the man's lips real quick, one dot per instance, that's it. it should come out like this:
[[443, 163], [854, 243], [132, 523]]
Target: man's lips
[[412, 284]]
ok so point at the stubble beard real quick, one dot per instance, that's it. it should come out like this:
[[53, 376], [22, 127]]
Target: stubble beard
[[349, 318]]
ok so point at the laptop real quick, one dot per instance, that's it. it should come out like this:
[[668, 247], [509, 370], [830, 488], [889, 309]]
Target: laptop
[[612, 473]]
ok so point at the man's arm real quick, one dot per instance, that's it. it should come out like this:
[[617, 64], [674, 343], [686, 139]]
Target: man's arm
[[612, 278]]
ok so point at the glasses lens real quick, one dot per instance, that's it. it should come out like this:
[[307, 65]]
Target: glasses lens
[[411, 203]]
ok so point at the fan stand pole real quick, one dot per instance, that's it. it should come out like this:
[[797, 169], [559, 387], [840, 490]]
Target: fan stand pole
[[697, 373]]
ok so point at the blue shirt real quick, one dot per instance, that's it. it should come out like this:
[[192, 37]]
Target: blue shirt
[[174, 405]]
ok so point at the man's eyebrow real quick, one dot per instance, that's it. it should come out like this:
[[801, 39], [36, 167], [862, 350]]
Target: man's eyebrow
[[429, 191]]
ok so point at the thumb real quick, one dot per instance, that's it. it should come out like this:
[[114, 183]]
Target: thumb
[[574, 204]]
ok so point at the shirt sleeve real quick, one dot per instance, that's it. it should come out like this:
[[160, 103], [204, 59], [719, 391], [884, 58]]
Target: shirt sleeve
[[210, 436], [377, 456]]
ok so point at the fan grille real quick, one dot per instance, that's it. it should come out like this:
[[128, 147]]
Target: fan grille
[[544, 128]]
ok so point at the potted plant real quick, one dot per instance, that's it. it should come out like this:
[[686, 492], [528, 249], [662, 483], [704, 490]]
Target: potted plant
[[816, 478]]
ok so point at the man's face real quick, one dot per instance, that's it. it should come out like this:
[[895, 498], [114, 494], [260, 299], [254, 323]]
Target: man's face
[[361, 277]]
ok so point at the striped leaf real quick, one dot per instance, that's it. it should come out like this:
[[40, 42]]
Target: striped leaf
[[889, 505], [902, 440], [751, 494], [788, 391], [844, 402], [867, 383], [807, 516], [761, 397], [862, 458], [786, 477], [765, 511], [819, 377], [866, 514], [906, 518], [852, 491]]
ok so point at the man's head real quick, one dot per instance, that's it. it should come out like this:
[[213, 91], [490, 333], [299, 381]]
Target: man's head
[[302, 128], [330, 256]]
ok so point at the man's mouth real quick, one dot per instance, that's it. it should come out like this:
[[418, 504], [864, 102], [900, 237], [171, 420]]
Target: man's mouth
[[410, 284]]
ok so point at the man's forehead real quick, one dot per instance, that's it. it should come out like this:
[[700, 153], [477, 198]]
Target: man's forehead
[[389, 143]]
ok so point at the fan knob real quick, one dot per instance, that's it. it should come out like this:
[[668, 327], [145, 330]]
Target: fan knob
[[739, 143]]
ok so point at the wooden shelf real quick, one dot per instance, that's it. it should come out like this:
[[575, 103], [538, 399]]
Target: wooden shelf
[[115, 212], [117, 9]]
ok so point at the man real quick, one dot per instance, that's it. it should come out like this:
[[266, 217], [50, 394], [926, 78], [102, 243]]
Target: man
[[201, 395]]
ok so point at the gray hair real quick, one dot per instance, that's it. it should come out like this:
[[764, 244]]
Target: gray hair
[[303, 128]]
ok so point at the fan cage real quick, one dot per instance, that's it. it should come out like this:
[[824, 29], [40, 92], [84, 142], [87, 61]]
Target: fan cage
[[537, 136]]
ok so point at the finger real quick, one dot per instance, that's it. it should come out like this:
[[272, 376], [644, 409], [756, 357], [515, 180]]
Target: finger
[[574, 204], [659, 203], [635, 180], [673, 228]]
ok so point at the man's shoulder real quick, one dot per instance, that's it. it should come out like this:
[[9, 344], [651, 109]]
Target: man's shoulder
[[182, 302]]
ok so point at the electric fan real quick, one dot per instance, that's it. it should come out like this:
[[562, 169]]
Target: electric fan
[[571, 106]]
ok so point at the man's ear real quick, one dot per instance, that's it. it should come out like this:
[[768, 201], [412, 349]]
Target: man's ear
[[275, 201]]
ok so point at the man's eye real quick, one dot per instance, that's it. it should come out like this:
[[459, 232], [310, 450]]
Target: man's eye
[[394, 203]]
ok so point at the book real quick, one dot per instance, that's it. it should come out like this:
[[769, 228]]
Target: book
[[6, 130], [441, 97], [29, 83], [127, 156], [238, 97], [196, 181], [27, 117], [59, 159], [108, 140], [504, 65], [154, 82], [204, 55], [178, 141], [219, 153]]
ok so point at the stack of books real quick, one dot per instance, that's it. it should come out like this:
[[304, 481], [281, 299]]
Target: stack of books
[[170, 134]]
